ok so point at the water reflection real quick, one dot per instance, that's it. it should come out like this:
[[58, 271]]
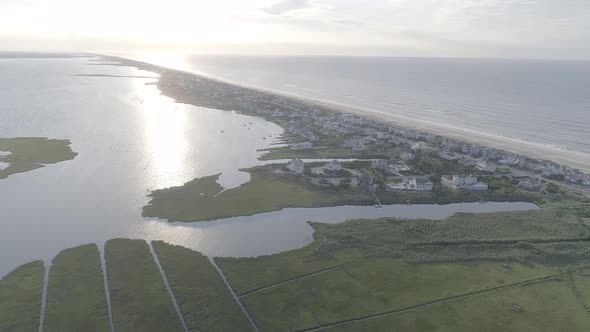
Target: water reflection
[[165, 125]]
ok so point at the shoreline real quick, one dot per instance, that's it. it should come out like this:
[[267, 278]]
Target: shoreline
[[570, 158]]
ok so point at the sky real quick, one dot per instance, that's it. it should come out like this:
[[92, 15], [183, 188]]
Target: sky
[[548, 29]]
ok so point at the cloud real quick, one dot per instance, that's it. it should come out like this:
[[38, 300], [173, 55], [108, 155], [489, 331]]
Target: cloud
[[346, 21], [285, 6]]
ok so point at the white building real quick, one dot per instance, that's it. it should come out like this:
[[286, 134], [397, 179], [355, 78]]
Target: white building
[[414, 184], [421, 184], [406, 156], [463, 181], [334, 165], [489, 153], [296, 165], [379, 164], [486, 166], [530, 184]]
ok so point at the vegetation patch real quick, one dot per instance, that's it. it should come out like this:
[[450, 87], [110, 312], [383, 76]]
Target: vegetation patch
[[29, 153], [272, 188], [372, 286], [139, 299], [20, 298], [545, 306], [204, 300], [266, 191], [76, 299]]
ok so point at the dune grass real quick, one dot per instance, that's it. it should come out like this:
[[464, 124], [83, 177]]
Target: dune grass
[[139, 299], [20, 298], [76, 299], [204, 300], [30, 153]]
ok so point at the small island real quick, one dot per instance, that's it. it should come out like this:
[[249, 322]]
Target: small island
[[24, 154]]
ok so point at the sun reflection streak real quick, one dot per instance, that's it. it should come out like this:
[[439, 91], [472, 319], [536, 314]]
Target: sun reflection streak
[[165, 136]]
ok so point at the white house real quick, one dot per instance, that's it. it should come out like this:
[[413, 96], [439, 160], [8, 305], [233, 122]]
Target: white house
[[486, 166], [530, 184], [421, 184], [296, 165], [379, 164], [417, 184], [407, 156], [463, 181], [334, 165]]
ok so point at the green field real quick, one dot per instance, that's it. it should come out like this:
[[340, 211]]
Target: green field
[[20, 298], [371, 286], [546, 306], [76, 299], [29, 153], [363, 268], [265, 192], [204, 300], [139, 299]]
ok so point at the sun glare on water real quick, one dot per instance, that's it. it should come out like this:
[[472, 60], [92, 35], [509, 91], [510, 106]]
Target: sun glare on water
[[165, 129]]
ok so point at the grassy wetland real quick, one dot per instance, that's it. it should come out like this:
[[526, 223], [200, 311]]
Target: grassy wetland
[[25, 154], [76, 298], [20, 297], [203, 298], [201, 200], [139, 298]]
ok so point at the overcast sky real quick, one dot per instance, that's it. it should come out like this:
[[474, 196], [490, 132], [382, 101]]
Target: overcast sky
[[476, 28]]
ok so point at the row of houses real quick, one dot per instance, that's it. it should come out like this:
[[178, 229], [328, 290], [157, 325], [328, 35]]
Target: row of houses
[[307, 120]]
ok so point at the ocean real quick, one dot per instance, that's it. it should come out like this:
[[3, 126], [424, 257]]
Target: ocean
[[542, 102]]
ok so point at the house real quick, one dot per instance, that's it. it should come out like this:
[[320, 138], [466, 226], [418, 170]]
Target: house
[[466, 161], [296, 165], [400, 168], [530, 184], [489, 153], [379, 164], [366, 182], [447, 155], [419, 147], [406, 156], [463, 181], [421, 184], [509, 161], [301, 146], [486, 166], [334, 165], [474, 150]]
